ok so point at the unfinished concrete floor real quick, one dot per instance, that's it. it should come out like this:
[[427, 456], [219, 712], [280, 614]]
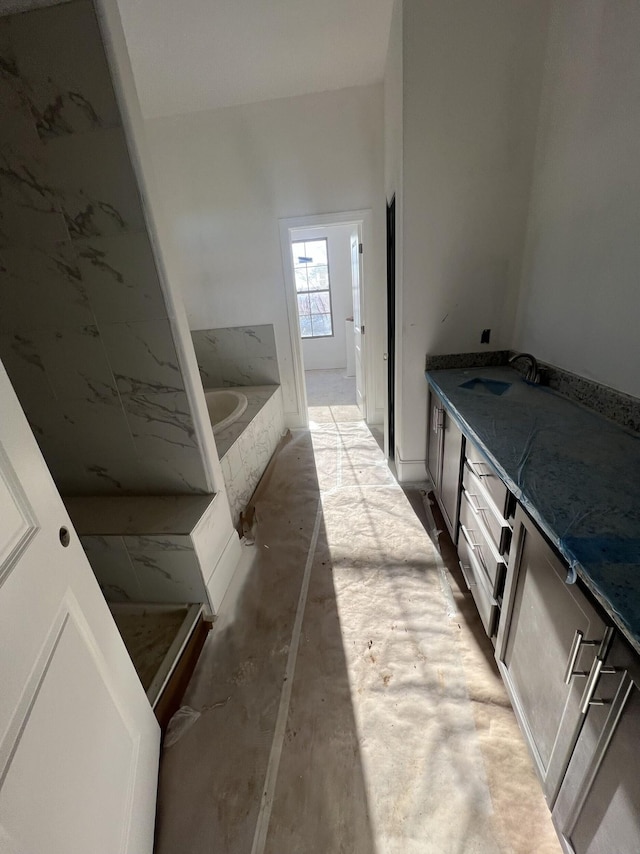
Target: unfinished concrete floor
[[346, 699]]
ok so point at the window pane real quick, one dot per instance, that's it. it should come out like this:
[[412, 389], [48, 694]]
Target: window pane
[[318, 278], [317, 251], [322, 324], [304, 304], [298, 251], [301, 278], [305, 326], [320, 302]]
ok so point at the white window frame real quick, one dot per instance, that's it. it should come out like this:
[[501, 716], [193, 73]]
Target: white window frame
[[326, 290]]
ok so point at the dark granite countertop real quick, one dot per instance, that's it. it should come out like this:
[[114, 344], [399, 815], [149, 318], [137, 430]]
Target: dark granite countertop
[[576, 473]]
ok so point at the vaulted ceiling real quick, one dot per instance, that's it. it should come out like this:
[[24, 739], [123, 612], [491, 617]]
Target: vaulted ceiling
[[202, 54]]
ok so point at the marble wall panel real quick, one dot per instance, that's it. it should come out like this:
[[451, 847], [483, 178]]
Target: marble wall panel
[[159, 423], [119, 276], [145, 568], [92, 177], [25, 367], [112, 567], [76, 363], [166, 568], [42, 288], [237, 356], [143, 356], [84, 331], [64, 77]]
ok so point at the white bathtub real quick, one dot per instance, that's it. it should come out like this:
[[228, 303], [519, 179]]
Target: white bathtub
[[225, 406]]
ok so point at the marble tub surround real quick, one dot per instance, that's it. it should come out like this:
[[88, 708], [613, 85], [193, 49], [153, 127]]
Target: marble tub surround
[[573, 470], [246, 447], [237, 356], [84, 329], [257, 398], [161, 549]]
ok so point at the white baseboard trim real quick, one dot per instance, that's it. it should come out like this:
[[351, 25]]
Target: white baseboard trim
[[409, 471], [223, 572], [294, 421]]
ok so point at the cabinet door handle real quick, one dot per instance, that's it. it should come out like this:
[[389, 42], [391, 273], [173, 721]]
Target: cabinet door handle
[[465, 532], [597, 670], [578, 642]]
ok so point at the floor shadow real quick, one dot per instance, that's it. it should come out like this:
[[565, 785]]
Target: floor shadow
[[212, 780], [434, 524]]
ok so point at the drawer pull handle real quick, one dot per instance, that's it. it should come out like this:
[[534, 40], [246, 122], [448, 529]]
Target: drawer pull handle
[[578, 642], [467, 536], [597, 670], [466, 577], [475, 507], [474, 468]]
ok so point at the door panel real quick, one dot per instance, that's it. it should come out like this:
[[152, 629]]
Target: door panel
[[598, 806], [541, 614], [78, 740]]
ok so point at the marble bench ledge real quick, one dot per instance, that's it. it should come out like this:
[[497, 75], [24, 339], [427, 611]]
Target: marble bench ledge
[[151, 515]]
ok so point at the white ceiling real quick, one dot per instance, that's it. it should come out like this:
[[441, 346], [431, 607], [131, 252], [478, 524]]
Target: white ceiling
[[200, 54]]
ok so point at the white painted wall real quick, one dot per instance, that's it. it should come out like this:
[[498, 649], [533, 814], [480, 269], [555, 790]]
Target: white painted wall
[[325, 353], [580, 301], [471, 77], [227, 176]]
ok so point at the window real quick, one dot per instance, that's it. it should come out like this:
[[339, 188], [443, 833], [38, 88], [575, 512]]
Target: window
[[311, 271]]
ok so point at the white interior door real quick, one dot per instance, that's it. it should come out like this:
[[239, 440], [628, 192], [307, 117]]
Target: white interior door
[[79, 743], [358, 326]]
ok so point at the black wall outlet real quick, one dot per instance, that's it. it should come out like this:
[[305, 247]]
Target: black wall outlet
[[486, 335]]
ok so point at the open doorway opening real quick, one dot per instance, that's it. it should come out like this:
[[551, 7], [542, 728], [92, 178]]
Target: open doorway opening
[[323, 264], [321, 259]]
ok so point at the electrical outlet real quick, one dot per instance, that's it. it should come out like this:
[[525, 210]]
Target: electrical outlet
[[486, 335]]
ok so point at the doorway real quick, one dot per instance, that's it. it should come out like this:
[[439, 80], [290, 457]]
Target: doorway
[[323, 262]]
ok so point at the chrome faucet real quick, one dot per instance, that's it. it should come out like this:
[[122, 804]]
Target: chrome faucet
[[532, 374]]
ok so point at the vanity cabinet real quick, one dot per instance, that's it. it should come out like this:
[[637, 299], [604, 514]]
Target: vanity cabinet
[[444, 460], [573, 681], [598, 807], [548, 639]]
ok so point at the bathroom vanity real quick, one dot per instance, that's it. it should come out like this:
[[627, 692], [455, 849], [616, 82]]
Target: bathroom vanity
[[541, 497]]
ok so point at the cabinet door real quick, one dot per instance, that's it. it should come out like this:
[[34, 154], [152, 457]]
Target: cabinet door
[[435, 415], [540, 617], [598, 806], [451, 472]]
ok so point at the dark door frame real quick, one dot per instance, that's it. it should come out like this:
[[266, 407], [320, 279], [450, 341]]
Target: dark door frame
[[391, 320]]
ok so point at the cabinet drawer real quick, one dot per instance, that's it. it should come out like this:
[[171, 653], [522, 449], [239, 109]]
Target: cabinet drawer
[[490, 480], [481, 544], [481, 502], [474, 575]]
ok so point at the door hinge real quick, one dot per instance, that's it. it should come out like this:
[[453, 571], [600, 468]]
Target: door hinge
[[360, 248], [362, 329]]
